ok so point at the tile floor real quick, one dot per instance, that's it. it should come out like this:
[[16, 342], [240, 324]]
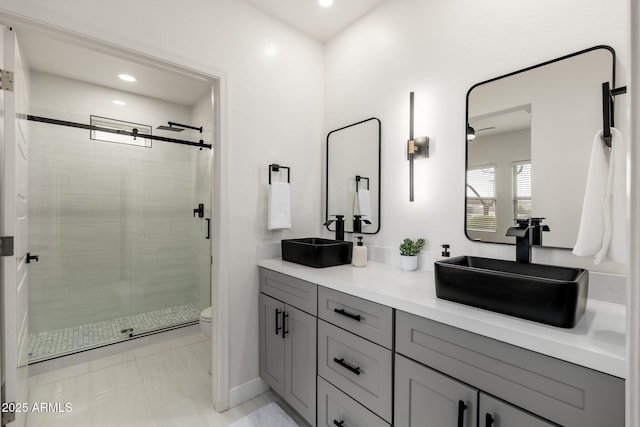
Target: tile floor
[[162, 383], [44, 345]]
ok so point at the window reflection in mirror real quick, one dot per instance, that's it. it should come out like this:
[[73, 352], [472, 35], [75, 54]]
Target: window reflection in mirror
[[529, 140]]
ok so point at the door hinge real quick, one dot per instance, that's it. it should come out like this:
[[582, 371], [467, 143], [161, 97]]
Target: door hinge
[[9, 416], [6, 80], [6, 245]]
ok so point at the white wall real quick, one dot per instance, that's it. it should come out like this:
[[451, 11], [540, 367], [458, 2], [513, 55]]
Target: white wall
[[439, 49], [274, 115]]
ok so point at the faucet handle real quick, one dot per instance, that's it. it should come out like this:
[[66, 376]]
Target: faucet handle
[[537, 222]]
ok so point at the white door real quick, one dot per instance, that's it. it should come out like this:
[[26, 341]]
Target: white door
[[14, 211]]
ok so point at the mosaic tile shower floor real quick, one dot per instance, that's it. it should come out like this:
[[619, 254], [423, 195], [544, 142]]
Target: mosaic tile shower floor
[[44, 345]]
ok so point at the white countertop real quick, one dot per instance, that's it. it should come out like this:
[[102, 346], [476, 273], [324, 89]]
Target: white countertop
[[597, 341]]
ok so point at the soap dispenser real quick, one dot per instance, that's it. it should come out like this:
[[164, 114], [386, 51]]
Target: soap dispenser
[[359, 258]]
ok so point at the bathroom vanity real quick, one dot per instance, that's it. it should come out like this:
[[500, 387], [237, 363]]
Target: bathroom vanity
[[375, 347]]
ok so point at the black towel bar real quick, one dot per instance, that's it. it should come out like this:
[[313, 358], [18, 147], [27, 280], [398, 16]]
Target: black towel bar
[[608, 110], [358, 179], [276, 168]]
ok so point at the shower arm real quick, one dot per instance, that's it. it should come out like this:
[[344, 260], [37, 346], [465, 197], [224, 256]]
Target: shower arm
[[172, 124]]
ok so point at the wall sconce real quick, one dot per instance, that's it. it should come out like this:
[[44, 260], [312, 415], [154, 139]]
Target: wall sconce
[[471, 133], [416, 147]]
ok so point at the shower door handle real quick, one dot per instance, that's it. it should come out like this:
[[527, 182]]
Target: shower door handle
[[30, 258], [208, 228]]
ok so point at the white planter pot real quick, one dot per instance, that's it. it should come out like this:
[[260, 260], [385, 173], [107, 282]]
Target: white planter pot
[[409, 263]]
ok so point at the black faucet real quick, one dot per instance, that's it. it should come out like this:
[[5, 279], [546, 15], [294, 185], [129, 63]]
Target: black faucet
[[536, 231], [339, 226], [528, 232], [357, 223]]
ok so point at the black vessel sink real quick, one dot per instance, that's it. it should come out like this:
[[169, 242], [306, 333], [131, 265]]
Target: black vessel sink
[[544, 293], [317, 252]]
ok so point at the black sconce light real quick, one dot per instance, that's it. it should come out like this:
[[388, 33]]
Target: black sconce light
[[416, 147], [471, 133]]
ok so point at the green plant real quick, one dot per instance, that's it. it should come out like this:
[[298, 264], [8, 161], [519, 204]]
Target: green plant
[[410, 248]]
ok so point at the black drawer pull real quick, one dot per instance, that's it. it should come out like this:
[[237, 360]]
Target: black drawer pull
[[461, 408], [488, 420], [277, 327], [341, 362], [284, 324], [338, 423], [347, 314]]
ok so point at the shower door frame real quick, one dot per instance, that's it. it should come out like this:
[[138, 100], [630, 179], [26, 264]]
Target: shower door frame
[[219, 272]]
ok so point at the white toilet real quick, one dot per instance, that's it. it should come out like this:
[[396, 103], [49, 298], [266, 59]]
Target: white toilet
[[205, 321]]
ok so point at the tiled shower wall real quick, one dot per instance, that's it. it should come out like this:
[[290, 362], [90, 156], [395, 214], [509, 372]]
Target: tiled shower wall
[[111, 222]]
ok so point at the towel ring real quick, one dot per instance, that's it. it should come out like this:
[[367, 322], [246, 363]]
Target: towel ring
[[276, 168], [358, 179]]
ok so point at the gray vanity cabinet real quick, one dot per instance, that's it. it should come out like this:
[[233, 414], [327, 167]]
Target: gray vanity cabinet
[[496, 413], [288, 340], [561, 392], [355, 356], [426, 398]]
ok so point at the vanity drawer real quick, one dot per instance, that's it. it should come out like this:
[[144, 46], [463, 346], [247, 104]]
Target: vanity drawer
[[292, 291], [356, 366], [565, 393], [335, 407], [365, 318]]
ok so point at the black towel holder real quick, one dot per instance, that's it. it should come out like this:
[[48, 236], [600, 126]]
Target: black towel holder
[[608, 110], [274, 167], [358, 179]]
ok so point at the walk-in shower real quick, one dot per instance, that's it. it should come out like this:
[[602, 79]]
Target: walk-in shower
[[120, 250]]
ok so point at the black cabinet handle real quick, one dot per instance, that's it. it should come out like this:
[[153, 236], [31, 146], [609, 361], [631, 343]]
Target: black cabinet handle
[[277, 327], [208, 228], [30, 258], [341, 362], [347, 314], [461, 408], [284, 324], [338, 423], [488, 420]]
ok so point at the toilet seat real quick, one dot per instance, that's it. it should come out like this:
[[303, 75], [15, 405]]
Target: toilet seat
[[205, 315]]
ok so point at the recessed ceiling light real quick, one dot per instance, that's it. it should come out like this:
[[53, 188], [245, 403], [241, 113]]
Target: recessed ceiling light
[[127, 77], [118, 102], [325, 3]]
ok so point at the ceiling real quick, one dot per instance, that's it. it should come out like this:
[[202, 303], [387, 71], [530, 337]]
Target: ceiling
[[70, 58], [309, 17]]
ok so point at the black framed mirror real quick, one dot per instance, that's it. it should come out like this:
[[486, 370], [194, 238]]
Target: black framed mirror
[[353, 175], [529, 139]]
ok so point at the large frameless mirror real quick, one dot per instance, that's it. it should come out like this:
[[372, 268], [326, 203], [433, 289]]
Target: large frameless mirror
[[353, 175], [529, 139]]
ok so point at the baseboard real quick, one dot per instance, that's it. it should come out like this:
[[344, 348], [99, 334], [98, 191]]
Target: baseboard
[[247, 391]]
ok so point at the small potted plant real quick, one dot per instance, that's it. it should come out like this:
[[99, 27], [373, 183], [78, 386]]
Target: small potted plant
[[409, 251]]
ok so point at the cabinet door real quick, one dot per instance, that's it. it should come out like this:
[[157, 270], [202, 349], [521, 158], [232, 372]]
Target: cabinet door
[[272, 344], [426, 398], [496, 413], [300, 362]]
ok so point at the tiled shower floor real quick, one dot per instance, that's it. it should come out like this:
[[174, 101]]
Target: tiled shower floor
[[44, 345]]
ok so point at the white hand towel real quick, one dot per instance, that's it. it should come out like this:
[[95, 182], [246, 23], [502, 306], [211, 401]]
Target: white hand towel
[[614, 240], [602, 230], [364, 204], [279, 210]]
